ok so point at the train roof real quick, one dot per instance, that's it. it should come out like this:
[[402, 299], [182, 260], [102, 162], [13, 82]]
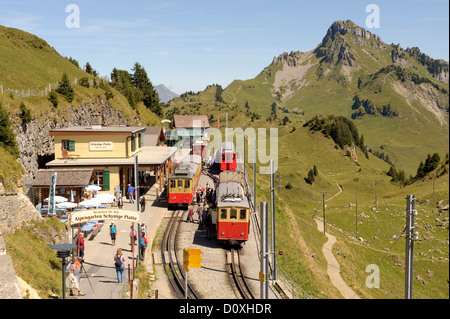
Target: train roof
[[231, 194], [187, 167]]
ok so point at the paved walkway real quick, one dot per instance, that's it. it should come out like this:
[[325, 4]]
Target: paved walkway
[[99, 270]]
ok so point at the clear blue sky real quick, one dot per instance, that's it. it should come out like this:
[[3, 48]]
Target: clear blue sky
[[187, 44]]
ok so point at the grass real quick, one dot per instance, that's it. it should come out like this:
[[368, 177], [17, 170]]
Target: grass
[[33, 260]]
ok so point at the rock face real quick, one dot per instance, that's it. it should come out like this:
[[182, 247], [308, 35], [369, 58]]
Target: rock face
[[15, 209]]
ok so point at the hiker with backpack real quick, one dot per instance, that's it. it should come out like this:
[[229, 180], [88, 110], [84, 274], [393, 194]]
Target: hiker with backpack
[[143, 245], [119, 264]]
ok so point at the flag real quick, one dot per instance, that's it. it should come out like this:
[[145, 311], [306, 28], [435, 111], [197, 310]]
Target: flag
[[217, 123]]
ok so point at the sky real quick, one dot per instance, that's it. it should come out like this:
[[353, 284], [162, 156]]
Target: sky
[[189, 44]]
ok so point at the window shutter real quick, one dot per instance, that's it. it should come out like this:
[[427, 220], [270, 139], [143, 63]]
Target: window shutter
[[71, 146], [133, 143], [106, 186]]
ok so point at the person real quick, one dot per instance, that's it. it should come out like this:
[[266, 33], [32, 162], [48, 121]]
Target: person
[[133, 236], [143, 244], [142, 201], [130, 193], [205, 212], [80, 244], [119, 201], [191, 214], [144, 228], [119, 264], [113, 232], [74, 277], [199, 213], [208, 224]]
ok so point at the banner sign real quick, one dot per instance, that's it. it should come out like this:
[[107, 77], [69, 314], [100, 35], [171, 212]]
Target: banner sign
[[51, 202], [104, 214]]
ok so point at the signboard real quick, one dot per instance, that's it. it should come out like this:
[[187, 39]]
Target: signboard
[[101, 146], [191, 258], [104, 214], [51, 201]]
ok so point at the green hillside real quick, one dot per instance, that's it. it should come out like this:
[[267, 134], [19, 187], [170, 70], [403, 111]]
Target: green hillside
[[399, 107], [28, 62], [351, 62]]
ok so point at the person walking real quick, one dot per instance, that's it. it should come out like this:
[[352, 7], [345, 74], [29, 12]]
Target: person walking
[[130, 192], [119, 264], [119, 201], [112, 233], [143, 245], [142, 201], [80, 244], [205, 212], [74, 278]]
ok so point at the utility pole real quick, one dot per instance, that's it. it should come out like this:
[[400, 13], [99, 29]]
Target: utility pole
[[356, 221], [272, 204], [264, 287], [410, 238], [323, 209], [254, 174]]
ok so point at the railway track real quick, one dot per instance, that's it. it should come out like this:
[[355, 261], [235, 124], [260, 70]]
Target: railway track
[[169, 255], [238, 275]]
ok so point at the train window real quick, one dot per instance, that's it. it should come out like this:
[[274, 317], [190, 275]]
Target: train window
[[223, 157], [223, 214], [243, 214], [234, 157], [233, 213], [187, 183], [180, 183], [173, 183]]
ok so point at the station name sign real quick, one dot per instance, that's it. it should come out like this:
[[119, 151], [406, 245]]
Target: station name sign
[[100, 146], [104, 214]]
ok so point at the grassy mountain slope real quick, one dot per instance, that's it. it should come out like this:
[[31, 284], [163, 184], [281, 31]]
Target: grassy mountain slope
[[28, 62], [351, 62]]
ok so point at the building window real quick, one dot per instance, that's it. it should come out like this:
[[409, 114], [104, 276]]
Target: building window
[[68, 145], [103, 179]]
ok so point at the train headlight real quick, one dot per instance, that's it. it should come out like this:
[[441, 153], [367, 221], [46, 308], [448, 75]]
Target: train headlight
[[223, 233], [242, 234]]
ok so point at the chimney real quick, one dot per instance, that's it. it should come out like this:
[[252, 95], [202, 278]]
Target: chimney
[[97, 123]]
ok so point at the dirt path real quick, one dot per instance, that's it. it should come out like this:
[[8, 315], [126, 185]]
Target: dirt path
[[333, 269]]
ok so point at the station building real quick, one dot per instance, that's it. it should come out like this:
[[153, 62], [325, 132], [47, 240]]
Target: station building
[[110, 151]]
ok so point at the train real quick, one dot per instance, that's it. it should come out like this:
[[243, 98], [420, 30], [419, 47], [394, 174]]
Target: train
[[233, 209], [183, 182], [227, 157]]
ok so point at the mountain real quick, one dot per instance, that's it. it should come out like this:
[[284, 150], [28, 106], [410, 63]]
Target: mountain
[[398, 98], [165, 94]]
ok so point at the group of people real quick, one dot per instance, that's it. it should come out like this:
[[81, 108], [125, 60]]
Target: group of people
[[130, 196], [204, 214]]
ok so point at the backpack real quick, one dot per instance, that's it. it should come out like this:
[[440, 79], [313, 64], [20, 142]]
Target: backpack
[[118, 262], [143, 243]]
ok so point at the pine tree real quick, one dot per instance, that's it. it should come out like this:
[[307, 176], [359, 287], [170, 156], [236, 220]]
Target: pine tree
[[7, 137], [65, 89]]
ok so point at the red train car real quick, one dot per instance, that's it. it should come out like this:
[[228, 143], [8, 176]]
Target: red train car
[[233, 211]]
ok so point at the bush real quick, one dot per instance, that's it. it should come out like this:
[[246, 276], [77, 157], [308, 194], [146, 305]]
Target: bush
[[53, 98]]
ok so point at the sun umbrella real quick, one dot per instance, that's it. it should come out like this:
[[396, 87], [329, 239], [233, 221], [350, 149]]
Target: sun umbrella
[[105, 198], [66, 205], [58, 199], [90, 203], [93, 188]]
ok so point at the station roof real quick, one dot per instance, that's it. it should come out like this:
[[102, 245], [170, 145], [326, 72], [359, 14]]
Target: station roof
[[98, 129], [66, 177], [148, 156]]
